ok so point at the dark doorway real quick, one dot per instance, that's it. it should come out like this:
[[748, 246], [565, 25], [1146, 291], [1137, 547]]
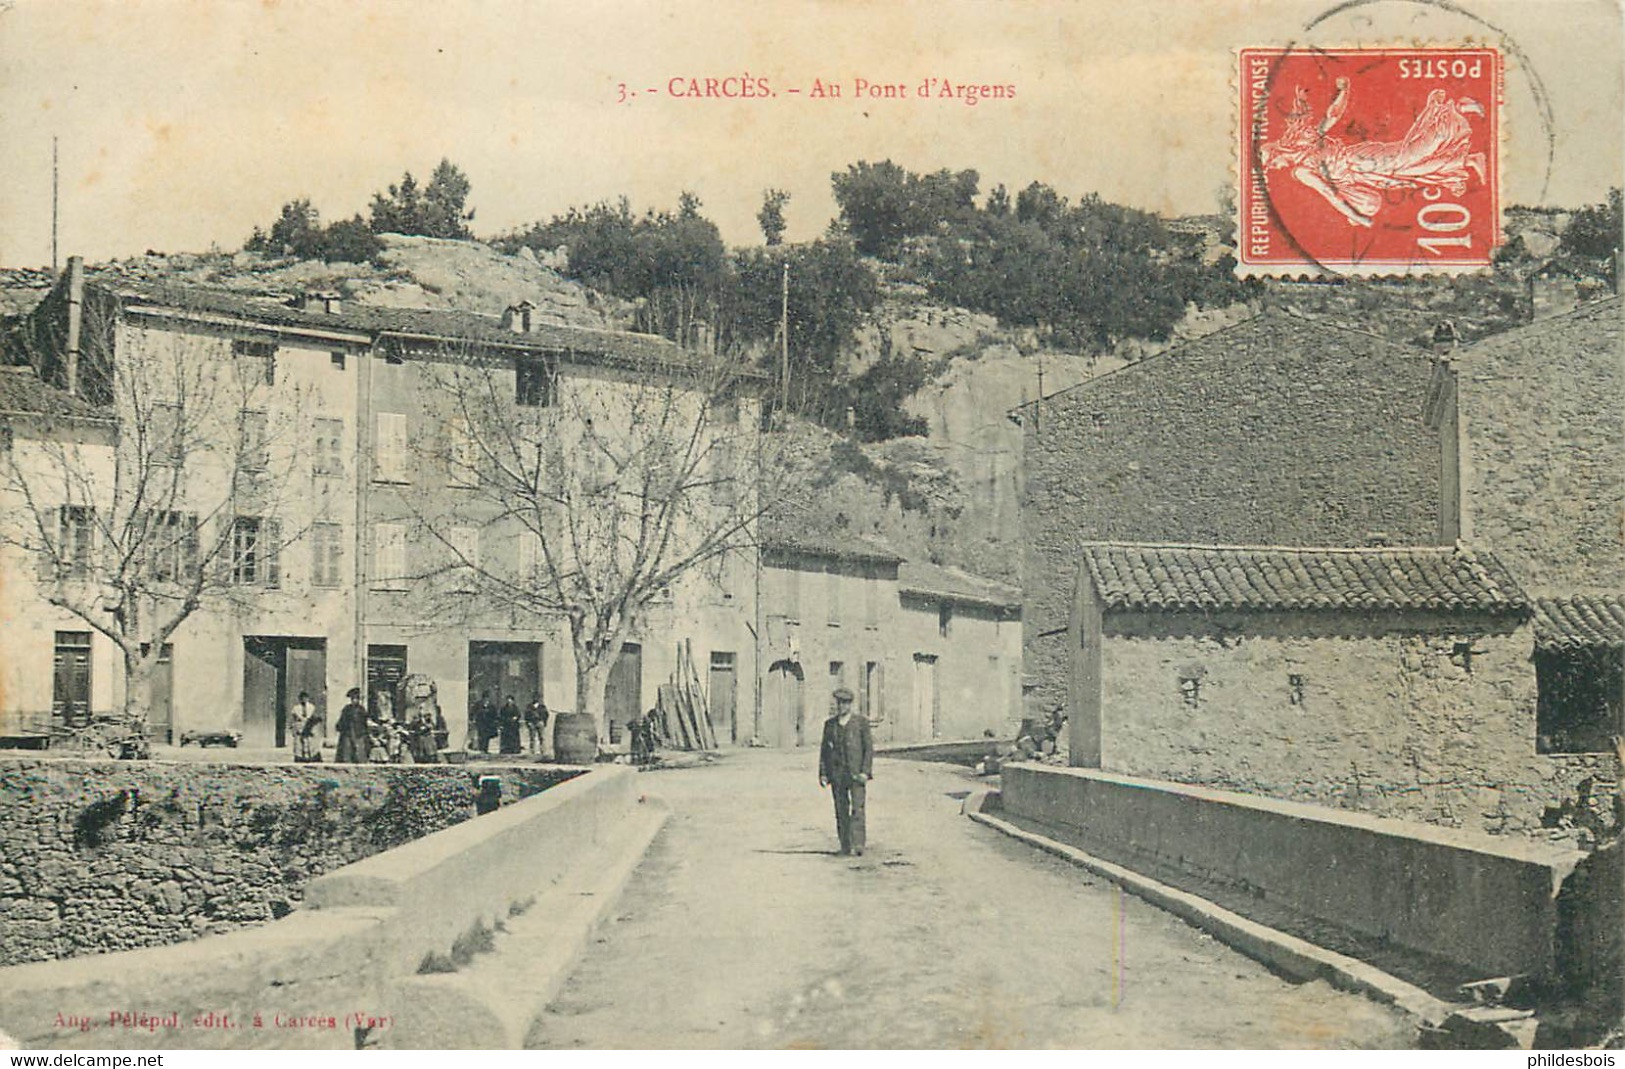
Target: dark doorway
[[724, 695], [784, 718], [1578, 707], [624, 691], [275, 669], [505, 668], [70, 679], [161, 717], [386, 666]]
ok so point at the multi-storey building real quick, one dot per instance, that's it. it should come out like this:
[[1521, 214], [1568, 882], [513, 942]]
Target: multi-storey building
[[373, 539], [929, 652]]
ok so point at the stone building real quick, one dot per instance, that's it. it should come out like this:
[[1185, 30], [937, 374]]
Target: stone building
[[48, 657], [929, 652], [1287, 433], [1277, 431], [355, 573], [1533, 432], [1391, 681]]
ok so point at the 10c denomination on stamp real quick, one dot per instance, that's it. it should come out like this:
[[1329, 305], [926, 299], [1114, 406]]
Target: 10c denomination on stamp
[[1374, 161]]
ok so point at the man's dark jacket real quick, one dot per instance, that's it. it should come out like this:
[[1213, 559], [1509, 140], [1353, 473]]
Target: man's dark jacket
[[846, 751]]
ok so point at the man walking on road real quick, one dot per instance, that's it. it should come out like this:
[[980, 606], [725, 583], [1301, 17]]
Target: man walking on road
[[846, 765]]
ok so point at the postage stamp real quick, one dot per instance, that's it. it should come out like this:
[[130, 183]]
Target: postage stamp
[[1368, 161]]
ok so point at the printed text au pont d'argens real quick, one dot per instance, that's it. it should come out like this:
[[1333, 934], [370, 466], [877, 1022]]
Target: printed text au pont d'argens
[[746, 86]]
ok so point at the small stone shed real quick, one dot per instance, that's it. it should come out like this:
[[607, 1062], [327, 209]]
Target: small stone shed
[[1395, 681]]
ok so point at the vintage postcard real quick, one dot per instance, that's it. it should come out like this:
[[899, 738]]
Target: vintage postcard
[[811, 524]]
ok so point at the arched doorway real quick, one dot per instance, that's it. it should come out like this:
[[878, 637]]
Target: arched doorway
[[785, 718]]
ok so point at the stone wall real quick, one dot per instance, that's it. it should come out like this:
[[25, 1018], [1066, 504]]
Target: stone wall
[[103, 856], [1279, 431], [1482, 906], [1543, 426], [1390, 722]]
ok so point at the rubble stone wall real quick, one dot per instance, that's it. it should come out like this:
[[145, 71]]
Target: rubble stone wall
[[1275, 432], [1391, 721], [104, 856], [1544, 430]]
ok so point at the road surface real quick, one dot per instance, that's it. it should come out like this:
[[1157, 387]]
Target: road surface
[[743, 928]]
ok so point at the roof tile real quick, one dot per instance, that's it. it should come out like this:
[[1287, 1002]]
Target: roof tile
[[1264, 578], [1579, 622]]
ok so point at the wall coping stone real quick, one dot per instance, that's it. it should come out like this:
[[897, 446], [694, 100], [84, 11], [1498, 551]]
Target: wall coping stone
[[1552, 855]]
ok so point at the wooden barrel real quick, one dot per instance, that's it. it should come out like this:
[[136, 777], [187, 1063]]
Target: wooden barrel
[[575, 738]]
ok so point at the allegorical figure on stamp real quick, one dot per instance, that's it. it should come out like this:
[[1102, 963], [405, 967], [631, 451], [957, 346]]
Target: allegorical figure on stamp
[[846, 761], [1353, 175]]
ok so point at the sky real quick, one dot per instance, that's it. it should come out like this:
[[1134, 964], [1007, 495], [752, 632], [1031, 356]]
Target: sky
[[183, 124]]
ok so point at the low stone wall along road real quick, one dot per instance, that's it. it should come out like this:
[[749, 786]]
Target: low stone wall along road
[[743, 928]]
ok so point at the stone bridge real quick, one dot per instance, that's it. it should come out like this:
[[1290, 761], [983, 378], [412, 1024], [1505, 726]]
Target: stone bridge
[[707, 907]]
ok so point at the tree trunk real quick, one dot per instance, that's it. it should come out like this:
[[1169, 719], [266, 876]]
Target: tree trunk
[[592, 680], [138, 686]]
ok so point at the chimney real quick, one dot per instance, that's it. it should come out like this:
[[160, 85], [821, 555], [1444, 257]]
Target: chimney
[[517, 317], [1444, 337], [320, 301], [76, 316], [1377, 540], [1552, 293]]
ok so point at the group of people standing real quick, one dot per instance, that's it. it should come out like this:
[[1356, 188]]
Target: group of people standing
[[367, 736], [487, 721]]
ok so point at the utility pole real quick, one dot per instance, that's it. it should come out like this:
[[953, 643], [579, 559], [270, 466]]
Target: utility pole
[[54, 187], [784, 338]]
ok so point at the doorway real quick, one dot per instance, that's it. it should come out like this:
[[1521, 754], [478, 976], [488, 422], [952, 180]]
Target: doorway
[[275, 669], [386, 666], [785, 721], [927, 716], [724, 696], [505, 668], [70, 679], [624, 690]]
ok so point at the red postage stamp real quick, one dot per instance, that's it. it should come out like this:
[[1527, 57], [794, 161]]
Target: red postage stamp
[[1379, 161]]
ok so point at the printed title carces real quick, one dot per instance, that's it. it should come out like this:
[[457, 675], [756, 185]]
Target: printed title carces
[[746, 86]]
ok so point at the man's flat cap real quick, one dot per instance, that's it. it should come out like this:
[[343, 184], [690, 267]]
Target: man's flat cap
[[842, 694]]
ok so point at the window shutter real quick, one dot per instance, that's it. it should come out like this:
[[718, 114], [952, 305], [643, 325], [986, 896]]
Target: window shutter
[[391, 447], [530, 556], [389, 557], [190, 549], [271, 551]]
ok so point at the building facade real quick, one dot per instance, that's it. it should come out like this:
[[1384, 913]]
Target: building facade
[[1276, 431], [373, 540], [1391, 681], [928, 652]]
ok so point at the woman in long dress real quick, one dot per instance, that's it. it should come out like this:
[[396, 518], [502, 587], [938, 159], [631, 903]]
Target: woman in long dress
[[1353, 176], [352, 730]]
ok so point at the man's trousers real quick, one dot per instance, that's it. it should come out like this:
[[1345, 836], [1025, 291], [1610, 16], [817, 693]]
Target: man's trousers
[[849, 792]]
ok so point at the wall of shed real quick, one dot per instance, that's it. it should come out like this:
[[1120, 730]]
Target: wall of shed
[[1277, 432], [1389, 723]]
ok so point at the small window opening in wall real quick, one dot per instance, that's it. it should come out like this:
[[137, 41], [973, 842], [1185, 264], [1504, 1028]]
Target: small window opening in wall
[[336, 357], [1461, 655], [1294, 686], [1190, 691]]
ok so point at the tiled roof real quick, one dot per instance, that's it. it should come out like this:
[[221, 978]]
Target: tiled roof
[[1579, 622], [1274, 330], [952, 584], [1264, 578], [644, 350], [788, 528], [835, 545], [23, 393]]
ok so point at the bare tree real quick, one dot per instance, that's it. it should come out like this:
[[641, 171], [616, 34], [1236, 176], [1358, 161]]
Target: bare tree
[[605, 488], [168, 503]]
